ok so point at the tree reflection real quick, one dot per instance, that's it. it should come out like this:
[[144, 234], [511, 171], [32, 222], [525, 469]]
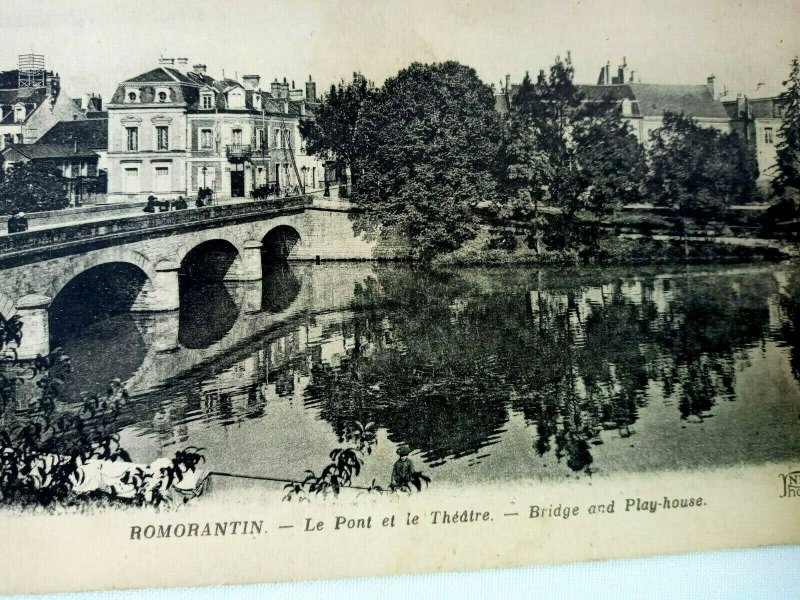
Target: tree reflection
[[576, 357]]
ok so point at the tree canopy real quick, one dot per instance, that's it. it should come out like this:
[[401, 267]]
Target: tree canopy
[[578, 156], [32, 187], [699, 171], [787, 179], [428, 142], [330, 133]]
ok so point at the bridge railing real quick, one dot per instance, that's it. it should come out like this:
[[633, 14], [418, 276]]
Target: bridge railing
[[72, 233]]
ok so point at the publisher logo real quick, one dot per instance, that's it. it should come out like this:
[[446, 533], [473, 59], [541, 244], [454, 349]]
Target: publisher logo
[[791, 485]]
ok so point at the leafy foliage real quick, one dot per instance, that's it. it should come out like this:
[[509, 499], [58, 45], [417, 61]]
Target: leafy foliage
[[31, 187], [579, 157], [330, 134], [429, 142], [787, 179], [345, 465], [46, 451], [697, 170]]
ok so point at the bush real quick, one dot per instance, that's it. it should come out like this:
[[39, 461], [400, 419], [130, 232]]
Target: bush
[[31, 187]]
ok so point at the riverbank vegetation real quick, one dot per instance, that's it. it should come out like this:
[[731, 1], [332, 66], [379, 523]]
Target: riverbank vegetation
[[430, 155]]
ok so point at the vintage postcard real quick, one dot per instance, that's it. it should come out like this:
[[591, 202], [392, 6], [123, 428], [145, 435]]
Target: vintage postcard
[[324, 289]]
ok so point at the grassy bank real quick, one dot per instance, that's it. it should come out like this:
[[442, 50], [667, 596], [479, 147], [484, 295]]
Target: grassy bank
[[611, 251]]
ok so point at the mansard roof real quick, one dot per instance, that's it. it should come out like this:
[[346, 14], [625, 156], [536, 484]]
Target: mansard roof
[[188, 88], [648, 99], [30, 97]]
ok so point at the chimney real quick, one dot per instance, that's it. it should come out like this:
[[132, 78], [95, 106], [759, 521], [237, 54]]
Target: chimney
[[85, 99], [182, 63], [275, 89], [295, 94], [608, 73], [710, 84], [632, 74], [166, 62], [311, 90], [251, 81], [284, 89], [508, 82], [199, 69]]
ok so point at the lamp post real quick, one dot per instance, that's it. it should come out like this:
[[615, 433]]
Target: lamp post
[[204, 170]]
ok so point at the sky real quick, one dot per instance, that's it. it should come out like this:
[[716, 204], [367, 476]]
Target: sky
[[96, 44]]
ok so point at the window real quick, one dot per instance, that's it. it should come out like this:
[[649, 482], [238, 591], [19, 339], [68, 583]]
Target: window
[[768, 135], [206, 139], [261, 141], [19, 114], [206, 101], [132, 96], [162, 96], [236, 137], [275, 135], [133, 138], [162, 137]]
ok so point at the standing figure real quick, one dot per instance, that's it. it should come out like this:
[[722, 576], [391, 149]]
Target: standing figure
[[403, 468]]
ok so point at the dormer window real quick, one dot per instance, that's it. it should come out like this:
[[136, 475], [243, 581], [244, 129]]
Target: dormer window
[[132, 95], [207, 101], [19, 113], [236, 99], [161, 94]]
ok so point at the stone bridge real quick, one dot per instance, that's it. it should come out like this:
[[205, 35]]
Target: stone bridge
[[137, 263]]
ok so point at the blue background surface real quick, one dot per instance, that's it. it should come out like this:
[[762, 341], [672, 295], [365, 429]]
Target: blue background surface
[[758, 573]]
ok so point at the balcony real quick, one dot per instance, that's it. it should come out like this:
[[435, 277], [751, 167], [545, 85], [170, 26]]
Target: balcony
[[238, 153]]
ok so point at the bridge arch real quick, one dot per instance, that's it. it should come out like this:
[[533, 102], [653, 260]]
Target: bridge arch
[[118, 255], [278, 243], [215, 259]]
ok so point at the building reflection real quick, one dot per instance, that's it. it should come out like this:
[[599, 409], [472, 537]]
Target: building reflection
[[443, 362]]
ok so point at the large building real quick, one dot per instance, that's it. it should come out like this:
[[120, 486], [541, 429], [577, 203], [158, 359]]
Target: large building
[[643, 104], [758, 120], [173, 130], [31, 102]]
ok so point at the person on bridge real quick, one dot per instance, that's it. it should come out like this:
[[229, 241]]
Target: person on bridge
[[17, 223], [150, 207], [180, 203]]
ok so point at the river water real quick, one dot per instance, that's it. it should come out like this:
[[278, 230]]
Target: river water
[[486, 374]]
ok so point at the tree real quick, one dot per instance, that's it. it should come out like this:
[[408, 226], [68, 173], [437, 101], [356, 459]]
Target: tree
[[32, 187], [787, 179], [330, 133], [429, 144], [579, 157], [698, 171]]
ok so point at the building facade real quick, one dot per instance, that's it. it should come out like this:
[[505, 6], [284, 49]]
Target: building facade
[[758, 120], [31, 103], [174, 130]]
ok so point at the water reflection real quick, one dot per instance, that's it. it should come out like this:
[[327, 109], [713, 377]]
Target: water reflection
[[491, 374], [280, 286], [208, 311]]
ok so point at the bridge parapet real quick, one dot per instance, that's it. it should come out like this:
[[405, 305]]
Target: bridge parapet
[[38, 240]]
